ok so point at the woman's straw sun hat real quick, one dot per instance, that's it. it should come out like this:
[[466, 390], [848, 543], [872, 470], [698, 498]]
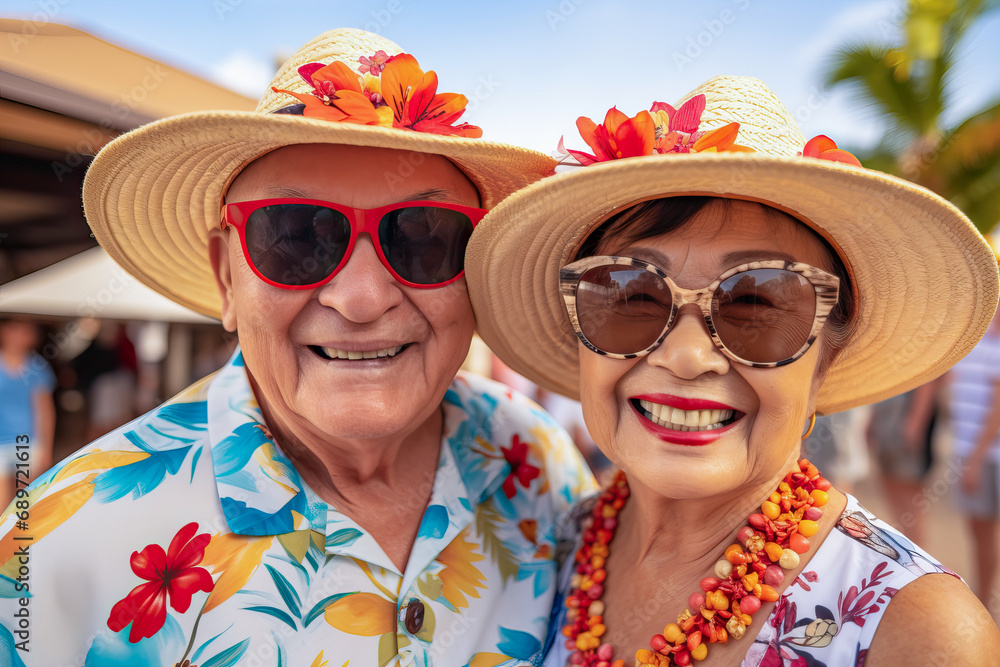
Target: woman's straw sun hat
[[152, 195], [925, 279]]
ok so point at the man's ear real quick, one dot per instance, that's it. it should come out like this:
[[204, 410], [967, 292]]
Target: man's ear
[[218, 255]]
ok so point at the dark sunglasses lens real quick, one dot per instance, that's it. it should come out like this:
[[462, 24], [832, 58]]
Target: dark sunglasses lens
[[297, 244], [764, 315], [425, 244], [622, 309]]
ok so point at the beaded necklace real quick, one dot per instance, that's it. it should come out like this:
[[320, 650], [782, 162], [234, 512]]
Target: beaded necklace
[[745, 577]]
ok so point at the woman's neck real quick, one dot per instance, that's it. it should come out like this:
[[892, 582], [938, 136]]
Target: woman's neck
[[686, 535]]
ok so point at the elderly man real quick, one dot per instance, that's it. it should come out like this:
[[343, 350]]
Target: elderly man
[[334, 493]]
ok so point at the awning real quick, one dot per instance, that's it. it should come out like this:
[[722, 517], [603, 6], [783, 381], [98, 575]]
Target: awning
[[90, 284]]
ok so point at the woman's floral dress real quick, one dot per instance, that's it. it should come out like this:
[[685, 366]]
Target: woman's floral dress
[[829, 614]]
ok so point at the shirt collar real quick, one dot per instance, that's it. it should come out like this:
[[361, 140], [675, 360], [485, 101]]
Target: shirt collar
[[262, 493]]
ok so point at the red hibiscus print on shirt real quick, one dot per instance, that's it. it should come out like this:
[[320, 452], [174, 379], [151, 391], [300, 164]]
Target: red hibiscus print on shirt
[[171, 577], [517, 456]]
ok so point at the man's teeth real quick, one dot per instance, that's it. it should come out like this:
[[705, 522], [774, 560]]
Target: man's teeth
[[685, 420], [334, 353]]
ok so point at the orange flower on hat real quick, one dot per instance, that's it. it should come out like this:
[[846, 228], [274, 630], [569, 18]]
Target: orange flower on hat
[[412, 95], [662, 129], [823, 147], [338, 95], [618, 137], [386, 91]]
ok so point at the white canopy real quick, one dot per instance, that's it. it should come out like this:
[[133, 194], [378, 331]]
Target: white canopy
[[90, 284]]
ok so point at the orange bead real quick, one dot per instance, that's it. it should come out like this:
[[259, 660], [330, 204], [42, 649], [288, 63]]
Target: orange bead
[[750, 581], [598, 576], [773, 551], [770, 510], [671, 632], [808, 528], [734, 554], [598, 630], [644, 655], [700, 652], [597, 562], [820, 498], [768, 594], [775, 497], [798, 543]]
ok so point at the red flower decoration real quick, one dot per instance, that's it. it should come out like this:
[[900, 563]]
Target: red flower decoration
[[171, 576], [618, 137], [662, 129], [517, 456], [823, 147]]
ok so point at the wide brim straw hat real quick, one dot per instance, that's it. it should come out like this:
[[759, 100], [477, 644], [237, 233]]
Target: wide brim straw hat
[[925, 280], [152, 195]]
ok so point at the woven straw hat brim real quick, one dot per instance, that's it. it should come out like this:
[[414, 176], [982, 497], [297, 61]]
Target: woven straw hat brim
[[927, 280], [152, 195]]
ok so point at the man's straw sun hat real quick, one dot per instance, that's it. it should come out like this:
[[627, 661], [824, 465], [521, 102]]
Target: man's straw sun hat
[[152, 195], [925, 279]]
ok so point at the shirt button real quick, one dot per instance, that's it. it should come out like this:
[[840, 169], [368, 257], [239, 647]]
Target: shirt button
[[414, 619]]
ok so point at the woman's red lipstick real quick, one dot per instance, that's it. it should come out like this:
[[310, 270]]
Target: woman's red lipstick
[[694, 438]]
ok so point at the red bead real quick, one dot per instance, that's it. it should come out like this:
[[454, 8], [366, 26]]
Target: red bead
[[657, 643], [750, 604], [813, 514], [682, 658], [746, 532], [773, 576], [710, 583], [695, 601], [758, 521]]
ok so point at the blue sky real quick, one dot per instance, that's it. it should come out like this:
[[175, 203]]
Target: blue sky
[[531, 67]]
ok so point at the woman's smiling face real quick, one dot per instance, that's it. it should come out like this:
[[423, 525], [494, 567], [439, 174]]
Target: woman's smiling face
[[771, 405]]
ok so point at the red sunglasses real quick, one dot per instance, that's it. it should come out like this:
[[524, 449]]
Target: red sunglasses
[[302, 243]]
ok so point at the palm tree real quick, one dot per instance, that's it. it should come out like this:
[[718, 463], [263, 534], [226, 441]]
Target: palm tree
[[908, 85]]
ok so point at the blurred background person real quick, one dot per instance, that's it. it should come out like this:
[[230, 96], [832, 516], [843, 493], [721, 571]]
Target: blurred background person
[[26, 405], [900, 436], [974, 410], [837, 443], [106, 374]]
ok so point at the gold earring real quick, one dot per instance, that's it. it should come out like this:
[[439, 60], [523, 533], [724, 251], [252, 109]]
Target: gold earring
[[812, 423]]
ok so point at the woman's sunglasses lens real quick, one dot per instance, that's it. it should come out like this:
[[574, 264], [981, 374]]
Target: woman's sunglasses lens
[[764, 315], [425, 244], [622, 309], [297, 244]]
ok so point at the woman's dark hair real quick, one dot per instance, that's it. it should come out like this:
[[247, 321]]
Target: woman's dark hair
[[657, 217]]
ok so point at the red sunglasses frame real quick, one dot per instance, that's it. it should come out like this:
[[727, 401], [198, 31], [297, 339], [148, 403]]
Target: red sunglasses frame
[[361, 220]]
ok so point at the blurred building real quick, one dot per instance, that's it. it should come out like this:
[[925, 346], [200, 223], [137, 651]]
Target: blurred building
[[63, 95]]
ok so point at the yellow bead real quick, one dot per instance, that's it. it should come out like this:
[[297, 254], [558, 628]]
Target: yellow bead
[[820, 498], [808, 528], [700, 652], [770, 510], [671, 632]]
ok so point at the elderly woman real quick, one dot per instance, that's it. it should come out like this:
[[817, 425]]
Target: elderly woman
[[334, 494], [725, 281]]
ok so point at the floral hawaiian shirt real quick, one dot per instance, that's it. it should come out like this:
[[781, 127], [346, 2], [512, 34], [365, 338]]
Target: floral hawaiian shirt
[[188, 535]]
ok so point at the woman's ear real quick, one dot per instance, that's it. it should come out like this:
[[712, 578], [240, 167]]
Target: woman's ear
[[218, 255]]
